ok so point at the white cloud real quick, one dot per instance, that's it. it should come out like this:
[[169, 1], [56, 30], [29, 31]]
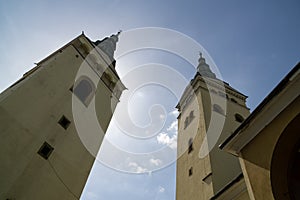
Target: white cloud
[[137, 168], [155, 162], [141, 170], [164, 138], [173, 127], [174, 113], [161, 189]]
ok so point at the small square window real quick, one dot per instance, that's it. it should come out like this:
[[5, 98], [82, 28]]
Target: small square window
[[64, 122], [45, 150]]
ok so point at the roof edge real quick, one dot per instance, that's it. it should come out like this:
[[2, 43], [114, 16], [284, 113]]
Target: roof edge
[[266, 100]]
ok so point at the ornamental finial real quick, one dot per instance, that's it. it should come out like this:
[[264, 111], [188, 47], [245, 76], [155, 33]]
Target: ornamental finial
[[119, 32]]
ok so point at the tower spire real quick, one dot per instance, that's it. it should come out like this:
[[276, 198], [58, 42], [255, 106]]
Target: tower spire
[[203, 68], [108, 44]]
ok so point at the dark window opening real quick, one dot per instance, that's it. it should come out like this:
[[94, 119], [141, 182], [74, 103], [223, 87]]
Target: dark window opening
[[189, 119], [45, 150], [64, 122], [190, 145], [239, 118], [191, 148], [191, 171], [84, 90]]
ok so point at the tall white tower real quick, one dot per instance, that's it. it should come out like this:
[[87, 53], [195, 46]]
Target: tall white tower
[[203, 175], [47, 150]]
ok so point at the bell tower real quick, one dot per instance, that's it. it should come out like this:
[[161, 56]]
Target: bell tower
[[209, 111], [45, 153]]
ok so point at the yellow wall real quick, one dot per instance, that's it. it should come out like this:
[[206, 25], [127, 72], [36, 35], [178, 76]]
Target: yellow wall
[[257, 155]]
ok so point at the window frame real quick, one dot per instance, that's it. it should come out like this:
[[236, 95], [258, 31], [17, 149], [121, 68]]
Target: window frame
[[87, 100]]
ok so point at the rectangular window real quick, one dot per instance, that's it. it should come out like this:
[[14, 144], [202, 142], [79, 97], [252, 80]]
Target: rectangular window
[[189, 119], [190, 148], [191, 171], [186, 122]]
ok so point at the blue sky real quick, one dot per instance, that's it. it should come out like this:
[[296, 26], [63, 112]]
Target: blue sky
[[253, 43]]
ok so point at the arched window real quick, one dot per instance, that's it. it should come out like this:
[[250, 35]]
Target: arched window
[[239, 118], [218, 109], [190, 145], [189, 119], [84, 89]]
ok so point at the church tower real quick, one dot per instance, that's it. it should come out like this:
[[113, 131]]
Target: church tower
[[209, 111], [53, 120]]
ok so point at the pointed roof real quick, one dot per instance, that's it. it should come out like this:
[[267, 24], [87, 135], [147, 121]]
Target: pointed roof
[[108, 44], [203, 68]]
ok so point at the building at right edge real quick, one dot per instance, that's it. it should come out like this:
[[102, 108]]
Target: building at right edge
[[253, 158], [268, 143]]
